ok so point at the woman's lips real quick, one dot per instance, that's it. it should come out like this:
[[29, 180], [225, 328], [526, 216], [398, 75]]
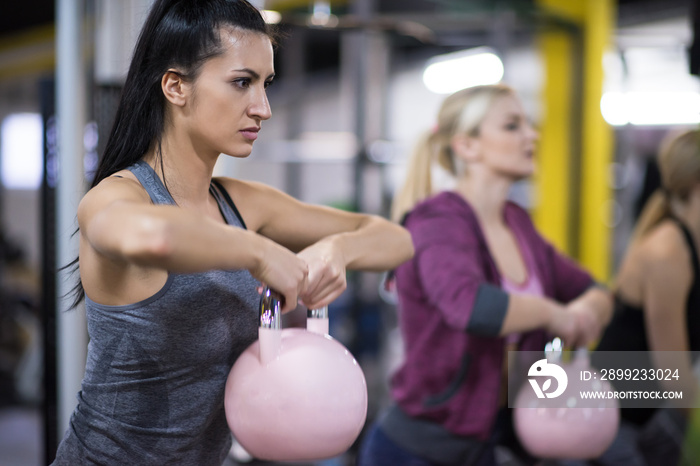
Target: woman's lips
[[250, 133]]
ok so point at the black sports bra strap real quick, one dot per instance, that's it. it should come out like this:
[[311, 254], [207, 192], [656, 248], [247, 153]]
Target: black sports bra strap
[[229, 201], [691, 245]]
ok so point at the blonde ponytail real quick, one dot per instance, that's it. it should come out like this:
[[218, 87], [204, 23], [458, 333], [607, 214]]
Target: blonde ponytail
[[657, 208], [461, 112], [418, 183], [679, 163]]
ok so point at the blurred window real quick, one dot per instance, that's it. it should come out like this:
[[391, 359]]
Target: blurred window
[[21, 151]]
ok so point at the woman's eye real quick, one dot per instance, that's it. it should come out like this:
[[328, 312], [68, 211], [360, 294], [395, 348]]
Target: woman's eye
[[242, 82], [268, 83], [512, 126]]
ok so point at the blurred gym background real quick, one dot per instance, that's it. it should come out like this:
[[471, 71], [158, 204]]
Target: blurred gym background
[[605, 82]]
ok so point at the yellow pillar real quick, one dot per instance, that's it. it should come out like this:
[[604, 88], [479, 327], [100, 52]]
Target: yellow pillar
[[595, 247], [585, 235], [552, 181]]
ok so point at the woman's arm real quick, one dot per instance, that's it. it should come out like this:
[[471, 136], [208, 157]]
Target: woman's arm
[[575, 325], [666, 282], [574, 286], [577, 289], [120, 224], [594, 309], [367, 242], [597, 300], [328, 240], [453, 278]]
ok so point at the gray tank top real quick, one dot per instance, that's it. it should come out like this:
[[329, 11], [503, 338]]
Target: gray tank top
[[153, 392]]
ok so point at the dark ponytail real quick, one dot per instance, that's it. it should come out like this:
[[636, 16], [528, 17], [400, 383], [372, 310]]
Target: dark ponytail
[[177, 34]]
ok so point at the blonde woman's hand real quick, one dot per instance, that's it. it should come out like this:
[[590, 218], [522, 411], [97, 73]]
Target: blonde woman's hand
[[587, 322], [326, 280], [575, 324]]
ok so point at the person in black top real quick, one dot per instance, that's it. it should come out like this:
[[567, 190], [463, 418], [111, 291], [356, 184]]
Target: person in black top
[[657, 307]]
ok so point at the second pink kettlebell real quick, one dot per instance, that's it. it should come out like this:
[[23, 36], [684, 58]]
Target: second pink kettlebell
[[579, 428], [295, 395]]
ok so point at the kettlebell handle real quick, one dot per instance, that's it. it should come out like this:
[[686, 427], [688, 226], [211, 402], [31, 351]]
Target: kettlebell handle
[[553, 351], [317, 320], [270, 309], [270, 323], [320, 313], [271, 314]]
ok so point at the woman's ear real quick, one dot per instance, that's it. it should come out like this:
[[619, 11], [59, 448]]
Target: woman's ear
[[466, 147], [174, 87]]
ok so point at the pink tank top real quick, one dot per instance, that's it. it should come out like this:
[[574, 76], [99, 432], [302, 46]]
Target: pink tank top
[[532, 284]]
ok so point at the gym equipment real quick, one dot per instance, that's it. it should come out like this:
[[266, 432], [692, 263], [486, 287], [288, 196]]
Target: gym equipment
[[575, 429], [295, 394]]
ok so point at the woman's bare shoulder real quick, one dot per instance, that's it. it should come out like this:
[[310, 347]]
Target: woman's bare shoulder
[[663, 243], [122, 186], [661, 257]]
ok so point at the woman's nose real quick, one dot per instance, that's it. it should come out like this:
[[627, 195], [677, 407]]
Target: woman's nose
[[532, 133], [260, 106]]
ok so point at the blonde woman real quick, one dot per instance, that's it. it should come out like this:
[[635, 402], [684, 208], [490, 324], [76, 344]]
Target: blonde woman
[[657, 302], [482, 279]]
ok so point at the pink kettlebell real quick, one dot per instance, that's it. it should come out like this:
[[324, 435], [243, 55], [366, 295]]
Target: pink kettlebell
[[573, 429], [294, 394]]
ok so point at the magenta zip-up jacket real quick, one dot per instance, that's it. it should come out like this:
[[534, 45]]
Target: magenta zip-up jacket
[[452, 307]]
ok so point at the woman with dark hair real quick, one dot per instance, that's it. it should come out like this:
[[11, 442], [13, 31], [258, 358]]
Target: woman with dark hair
[[171, 259]]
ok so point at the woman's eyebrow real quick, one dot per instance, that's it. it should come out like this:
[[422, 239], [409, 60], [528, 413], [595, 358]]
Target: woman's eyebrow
[[253, 74], [249, 71]]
